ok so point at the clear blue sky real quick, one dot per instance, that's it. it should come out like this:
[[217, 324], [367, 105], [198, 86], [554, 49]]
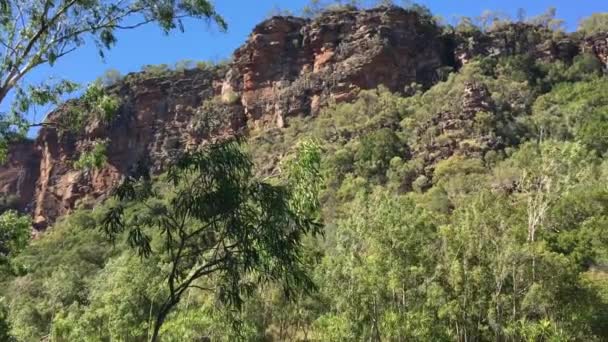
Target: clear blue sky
[[148, 45]]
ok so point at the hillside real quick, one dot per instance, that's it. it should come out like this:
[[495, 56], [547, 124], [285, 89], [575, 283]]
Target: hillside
[[289, 67], [463, 191]]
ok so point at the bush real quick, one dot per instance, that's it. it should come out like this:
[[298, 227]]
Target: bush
[[156, 70], [110, 77], [95, 104], [574, 111], [230, 97], [93, 159], [421, 183], [108, 107], [184, 65], [596, 23], [103, 105], [374, 153]]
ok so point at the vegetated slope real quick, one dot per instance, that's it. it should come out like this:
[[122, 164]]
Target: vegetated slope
[[464, 196]]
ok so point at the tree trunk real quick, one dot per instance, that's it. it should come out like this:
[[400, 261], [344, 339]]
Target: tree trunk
[[160, 318]]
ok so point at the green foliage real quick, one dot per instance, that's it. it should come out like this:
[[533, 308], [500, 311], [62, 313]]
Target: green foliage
[[156, 70], [93, 159], [183, 65], [107, 315], [382, 256], [596, 23], [574, 111], [5, 334], [220, 221], [14, 235], [376, 150], [55, 273], [317, 7], [548, 19], [110, 77], [104, 105], [95, 104]]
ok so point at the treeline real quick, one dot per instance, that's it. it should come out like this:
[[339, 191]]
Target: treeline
[[487, 20]]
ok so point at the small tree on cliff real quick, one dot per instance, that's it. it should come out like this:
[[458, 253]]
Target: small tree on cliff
[[39, 32], [212, 220], [596, 23]]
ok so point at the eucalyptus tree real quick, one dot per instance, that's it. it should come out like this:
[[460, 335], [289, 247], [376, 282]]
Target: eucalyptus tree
[[211, 219], [34, 33]]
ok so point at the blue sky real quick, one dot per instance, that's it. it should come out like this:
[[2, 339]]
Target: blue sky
[[148, 45]]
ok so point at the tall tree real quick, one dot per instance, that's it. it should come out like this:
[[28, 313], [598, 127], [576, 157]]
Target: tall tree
[[39, 32], [220, 221]]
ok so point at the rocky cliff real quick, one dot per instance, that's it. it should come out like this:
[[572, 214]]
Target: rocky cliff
[[292, 66], [289, 66]]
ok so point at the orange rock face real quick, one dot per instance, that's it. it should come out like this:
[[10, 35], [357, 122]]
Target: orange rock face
[[18, 175], [292, 66], [155, 124]]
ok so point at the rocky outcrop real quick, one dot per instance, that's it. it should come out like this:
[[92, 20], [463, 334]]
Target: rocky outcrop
[[292, 66], [158, 120], [288, 66]]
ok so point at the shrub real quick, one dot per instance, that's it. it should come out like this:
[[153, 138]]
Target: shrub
[[93, 159], [184, 65], [596, 23], [103, 105], [95, 103], [110, 77], [108, 107], [230, 97], [421, 183], [156, 70], [375, 151]]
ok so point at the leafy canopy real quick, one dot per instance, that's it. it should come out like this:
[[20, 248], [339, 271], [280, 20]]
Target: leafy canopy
[[211, 217]]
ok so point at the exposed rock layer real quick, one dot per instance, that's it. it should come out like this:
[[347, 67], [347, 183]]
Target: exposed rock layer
[[293, 66], [288, 66], [154, 125]]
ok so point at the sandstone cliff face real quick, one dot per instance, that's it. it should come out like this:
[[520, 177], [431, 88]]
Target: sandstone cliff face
[[291, 66], [18, 175], [155, 124], [288, 66]]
